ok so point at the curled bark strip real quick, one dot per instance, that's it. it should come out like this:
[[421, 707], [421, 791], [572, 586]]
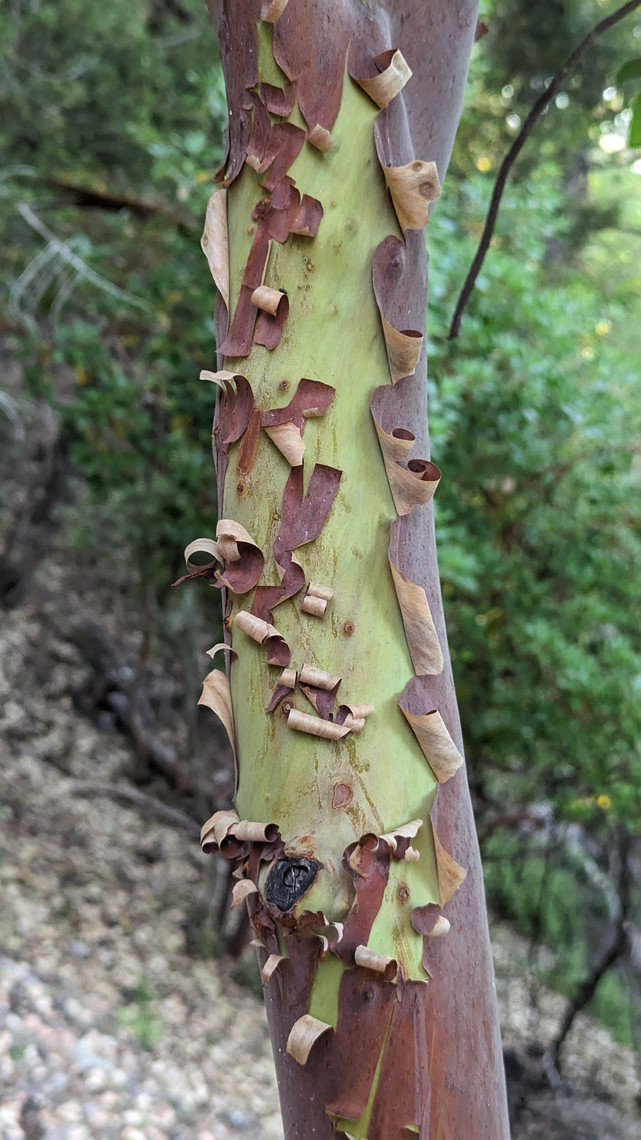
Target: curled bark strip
[[450, 873], [260, 132], [288, 440], [215, 242], [396, 445], [272, 963], [241, 556], [209, 569], [412, 484], [288, 678], [302, 519], [271, 10], [278, 693], [403, 350], [241, 890], [309, 675], [365, 1004], [308, 217], [267, 299], [310, 400], [320, 72], [303, 1036], [320, 138], [441, 927], [264, 633], [269, 329], [249, 445], [371, 960], [399, 843], [279, 100], [254, 627], [436, 743], [216, 829], [367, 862], [355, 724], [221, 646], [249, 832], [228, 833], [239, 57], [314, 606], [216, 695], [420, 631], [285, 143], [292, 579], [287, 213], [429, 921], [358, 712], [238, 341], [404, 346], [404, 1086], [235, 405], [218, 378], [412, 187], [303, 516], [316, 726], [323, 700], [390, 73], [317, 599]]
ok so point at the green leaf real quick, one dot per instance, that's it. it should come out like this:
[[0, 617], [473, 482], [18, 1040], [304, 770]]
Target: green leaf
[[630, 70], [635, 122]]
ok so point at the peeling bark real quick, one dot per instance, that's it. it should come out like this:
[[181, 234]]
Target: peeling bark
[[365, 892]]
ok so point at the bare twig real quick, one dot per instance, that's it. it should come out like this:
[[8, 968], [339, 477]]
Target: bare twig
[[138, 799], [9, 408], [614, 946], [63, 250], [88, 198], [508, 162]]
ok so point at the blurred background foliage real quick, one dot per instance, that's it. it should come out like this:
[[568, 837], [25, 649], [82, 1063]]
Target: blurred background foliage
[[111, 123]]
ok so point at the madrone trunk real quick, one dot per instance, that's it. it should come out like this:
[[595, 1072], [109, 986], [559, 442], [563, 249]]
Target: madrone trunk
[[352, 828]]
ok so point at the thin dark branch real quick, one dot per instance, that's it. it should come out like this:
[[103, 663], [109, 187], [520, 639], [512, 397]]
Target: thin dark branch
[[86, 197], [508, 162], [138, 799], [612, 950]]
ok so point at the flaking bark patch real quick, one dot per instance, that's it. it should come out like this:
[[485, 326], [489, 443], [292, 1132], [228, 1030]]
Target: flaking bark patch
[[412, 187], [316, 725], [436, 743], [365, 1003], [412, 482], [216, 695], [379, 1015], [389, 74], [215, 242], [317, 599], [303, 1036], [422, 638], [288, 440]]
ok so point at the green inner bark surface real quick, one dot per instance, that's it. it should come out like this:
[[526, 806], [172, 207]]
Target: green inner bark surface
[[333, 334]]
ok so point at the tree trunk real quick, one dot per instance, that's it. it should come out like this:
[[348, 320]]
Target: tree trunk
[[353, 831]]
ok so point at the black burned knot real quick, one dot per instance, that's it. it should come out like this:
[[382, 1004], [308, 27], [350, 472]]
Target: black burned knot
[[288, 880]]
